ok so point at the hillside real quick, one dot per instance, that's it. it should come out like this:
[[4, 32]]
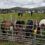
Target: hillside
[[20, 9]]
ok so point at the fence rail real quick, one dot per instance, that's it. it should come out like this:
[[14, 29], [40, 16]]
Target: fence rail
[[21, 36]]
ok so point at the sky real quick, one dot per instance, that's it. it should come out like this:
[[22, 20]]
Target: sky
[[21, 3]]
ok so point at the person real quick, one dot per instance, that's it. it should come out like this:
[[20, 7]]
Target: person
[[20, 14], [31, 13]]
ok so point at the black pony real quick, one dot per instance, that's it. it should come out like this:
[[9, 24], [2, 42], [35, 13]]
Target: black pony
[[29, 28]]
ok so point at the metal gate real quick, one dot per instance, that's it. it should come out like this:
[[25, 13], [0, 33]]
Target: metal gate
[[11, 38]]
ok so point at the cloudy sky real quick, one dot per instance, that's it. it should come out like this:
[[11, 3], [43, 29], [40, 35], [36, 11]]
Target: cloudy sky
[[21, 3]]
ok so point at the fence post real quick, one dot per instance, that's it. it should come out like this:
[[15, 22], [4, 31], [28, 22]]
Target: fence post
[[34, 39]]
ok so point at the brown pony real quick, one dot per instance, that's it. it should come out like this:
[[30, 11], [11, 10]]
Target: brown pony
[[5, 25]]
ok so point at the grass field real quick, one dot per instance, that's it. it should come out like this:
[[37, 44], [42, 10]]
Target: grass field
[[14, 16], [26, 16]]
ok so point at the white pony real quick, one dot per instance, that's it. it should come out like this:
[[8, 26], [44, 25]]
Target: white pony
[[42, 22]]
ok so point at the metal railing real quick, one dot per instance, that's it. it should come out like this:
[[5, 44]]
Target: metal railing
[[20, 36]]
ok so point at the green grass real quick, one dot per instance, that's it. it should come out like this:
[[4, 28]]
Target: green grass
[[26, 16]]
